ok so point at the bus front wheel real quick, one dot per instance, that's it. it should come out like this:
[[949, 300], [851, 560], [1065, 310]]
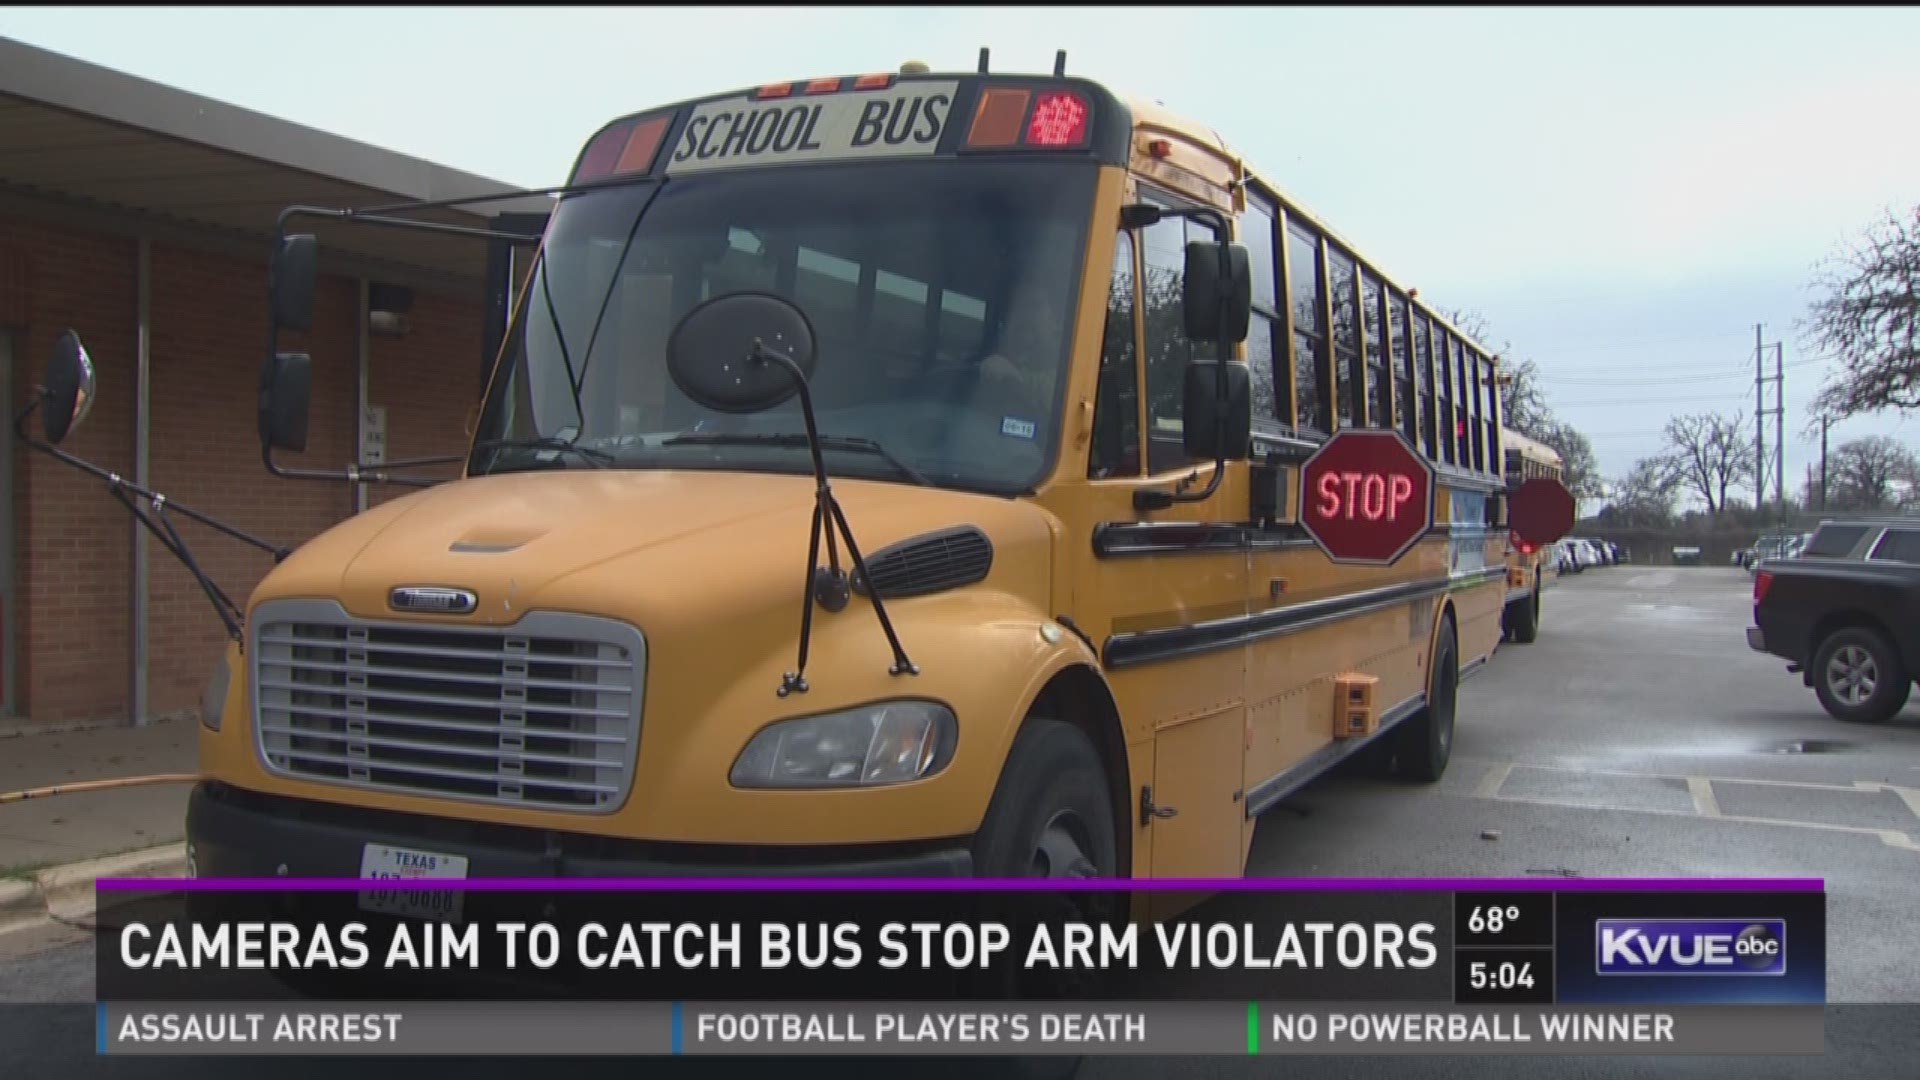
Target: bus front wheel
[[1051, 814]]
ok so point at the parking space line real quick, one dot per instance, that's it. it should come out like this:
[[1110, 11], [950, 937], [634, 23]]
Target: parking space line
[[1706, 805], [1890, 837], [1704, 802], [1490, 784], [1909, 796]]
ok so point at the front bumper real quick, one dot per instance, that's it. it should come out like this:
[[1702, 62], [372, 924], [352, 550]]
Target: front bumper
[[234, 833], [1756, 640]]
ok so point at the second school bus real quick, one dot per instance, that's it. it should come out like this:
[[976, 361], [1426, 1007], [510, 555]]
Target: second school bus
[[1112, 652], [1531, 567]]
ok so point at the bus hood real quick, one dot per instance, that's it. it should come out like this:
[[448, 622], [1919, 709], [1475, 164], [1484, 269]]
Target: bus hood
[[652, 547]]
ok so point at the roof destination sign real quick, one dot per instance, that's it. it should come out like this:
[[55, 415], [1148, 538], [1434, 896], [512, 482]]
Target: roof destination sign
[[905, 121], [1366, 496]]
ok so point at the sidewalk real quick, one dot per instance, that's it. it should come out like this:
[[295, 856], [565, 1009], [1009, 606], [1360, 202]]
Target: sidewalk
[[62, 829]]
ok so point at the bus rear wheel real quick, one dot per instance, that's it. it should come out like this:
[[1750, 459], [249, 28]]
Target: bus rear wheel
[[1523, 619], [1424, 742]]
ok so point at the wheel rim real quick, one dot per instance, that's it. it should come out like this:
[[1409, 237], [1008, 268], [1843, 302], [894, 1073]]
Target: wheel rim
[[1852, 674]]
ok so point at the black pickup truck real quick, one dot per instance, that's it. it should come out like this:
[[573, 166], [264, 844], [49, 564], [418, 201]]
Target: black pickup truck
[[1845, 615]]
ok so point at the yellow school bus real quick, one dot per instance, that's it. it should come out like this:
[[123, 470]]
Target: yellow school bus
[[1083, 631], [1531, 568]]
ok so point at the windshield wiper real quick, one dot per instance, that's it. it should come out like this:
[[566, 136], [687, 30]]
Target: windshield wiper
[[599, 459], [827, 442]]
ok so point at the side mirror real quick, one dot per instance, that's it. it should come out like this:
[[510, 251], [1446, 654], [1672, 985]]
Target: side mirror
[[1204, 289], [285, 387], [69, 388], [290, 280], [1201, 420]]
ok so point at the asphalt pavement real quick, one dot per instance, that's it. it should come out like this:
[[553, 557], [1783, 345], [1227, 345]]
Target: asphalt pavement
[[1638, 737]]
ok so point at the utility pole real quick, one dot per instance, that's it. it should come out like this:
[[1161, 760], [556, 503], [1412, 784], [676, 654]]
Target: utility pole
[[1759, 422], [1780, 427], [1760, 414]]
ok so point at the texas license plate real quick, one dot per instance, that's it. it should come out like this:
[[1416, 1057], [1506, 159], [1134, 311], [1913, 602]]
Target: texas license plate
[[403, 865]]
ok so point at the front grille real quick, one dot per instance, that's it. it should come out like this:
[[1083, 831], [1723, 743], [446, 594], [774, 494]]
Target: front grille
[[545, 713]]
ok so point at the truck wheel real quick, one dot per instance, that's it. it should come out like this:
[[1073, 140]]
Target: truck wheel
[[1425, 739], [1858, 676], [1052, 817], [1523, 618]]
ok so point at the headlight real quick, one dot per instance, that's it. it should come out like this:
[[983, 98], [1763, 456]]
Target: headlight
[[891, 742], [214, 701]]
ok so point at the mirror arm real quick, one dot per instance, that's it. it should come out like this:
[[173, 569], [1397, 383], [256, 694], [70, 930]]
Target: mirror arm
[[348, 214], [827, 519], [357, 473], [162, 529]]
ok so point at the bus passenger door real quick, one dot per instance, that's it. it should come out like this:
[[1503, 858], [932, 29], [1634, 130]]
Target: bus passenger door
[[1164, 590]]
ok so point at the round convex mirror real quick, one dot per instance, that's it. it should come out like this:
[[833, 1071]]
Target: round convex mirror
[[69, 388], [711, 356]]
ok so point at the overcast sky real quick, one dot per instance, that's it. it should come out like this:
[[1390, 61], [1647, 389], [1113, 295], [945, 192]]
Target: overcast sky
[[1623, 193]]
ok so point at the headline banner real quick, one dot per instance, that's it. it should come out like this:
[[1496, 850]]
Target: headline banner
[[1592, 943]]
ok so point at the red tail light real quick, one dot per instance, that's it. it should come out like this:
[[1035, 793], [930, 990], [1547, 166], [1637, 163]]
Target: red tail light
[[1059, 119], [1762, 581]]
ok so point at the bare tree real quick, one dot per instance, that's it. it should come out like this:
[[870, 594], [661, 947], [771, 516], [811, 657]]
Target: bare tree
[[1523, 407], [1872, 473], [1708, 455], [1870, 321], [1645, 495]]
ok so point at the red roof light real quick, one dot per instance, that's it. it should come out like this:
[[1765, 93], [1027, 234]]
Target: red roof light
[[824, 86], [1059, 119], [776, 90]]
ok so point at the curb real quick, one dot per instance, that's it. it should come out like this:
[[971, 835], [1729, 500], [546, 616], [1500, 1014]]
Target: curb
[[67, 891], [20, 900]]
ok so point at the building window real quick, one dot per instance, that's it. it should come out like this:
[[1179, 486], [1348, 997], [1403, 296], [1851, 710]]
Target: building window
[[1373, 324], [1116, 406], [1343, 291], [1405, 406], [1264, 345], [1310, 396]]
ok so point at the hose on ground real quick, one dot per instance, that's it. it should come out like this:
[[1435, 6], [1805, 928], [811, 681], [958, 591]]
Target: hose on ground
[[96, 785]]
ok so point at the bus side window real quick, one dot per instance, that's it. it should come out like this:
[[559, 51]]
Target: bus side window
[[1167, 345], [1116, 405]]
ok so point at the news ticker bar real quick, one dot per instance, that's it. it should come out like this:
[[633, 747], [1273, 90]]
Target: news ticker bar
[[947, 1029]]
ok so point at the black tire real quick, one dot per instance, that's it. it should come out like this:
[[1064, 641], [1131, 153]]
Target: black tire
[[1854, 656], [1523, 618], [1425, 740], [1051, 816]]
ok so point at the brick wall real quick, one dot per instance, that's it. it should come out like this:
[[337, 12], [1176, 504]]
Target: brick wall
[[209, 330]]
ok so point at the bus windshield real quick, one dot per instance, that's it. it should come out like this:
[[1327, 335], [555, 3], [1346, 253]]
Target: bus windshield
[[941, 296]]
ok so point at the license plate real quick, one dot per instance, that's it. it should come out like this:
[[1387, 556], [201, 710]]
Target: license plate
[[401, 865]]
